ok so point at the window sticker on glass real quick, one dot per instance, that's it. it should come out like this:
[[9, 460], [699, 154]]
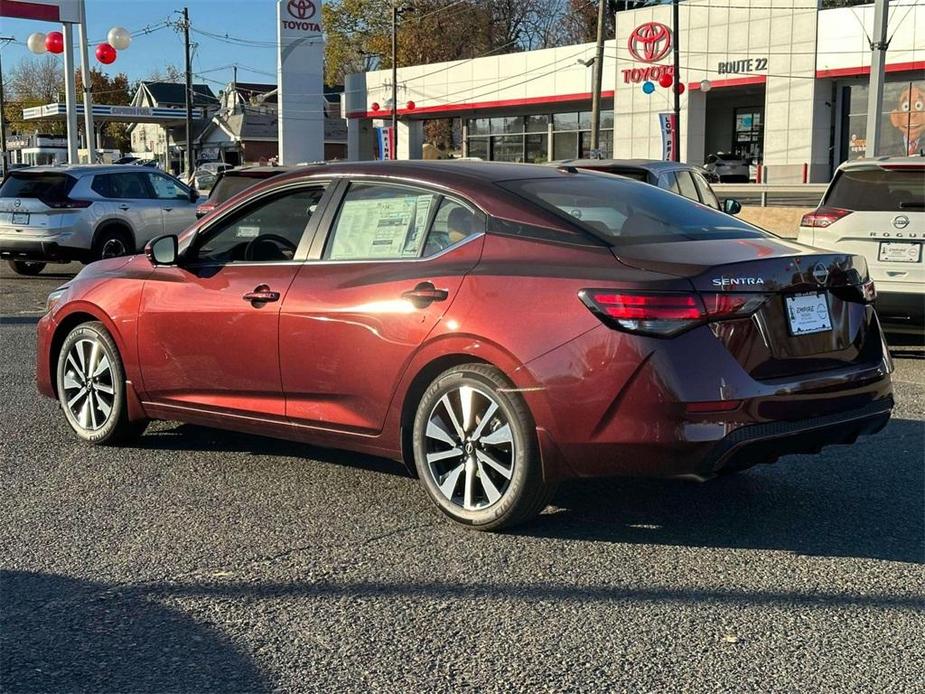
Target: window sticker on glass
[[246, 232]]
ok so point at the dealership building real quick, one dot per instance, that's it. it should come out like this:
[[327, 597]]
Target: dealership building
[[778, 81]]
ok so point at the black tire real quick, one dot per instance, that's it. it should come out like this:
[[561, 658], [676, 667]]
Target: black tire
[[81, 371], [112, 242], [523, 492], [28, 268]]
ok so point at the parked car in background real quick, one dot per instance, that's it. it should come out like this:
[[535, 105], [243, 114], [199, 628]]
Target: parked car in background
[[230, 182], [207, 174], [876, 208], [686, 180], [51, 214], [500, 327], [730, 168], [136, 161]]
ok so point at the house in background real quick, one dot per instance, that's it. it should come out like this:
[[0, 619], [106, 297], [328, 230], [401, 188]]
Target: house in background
[[168, 145], [246, 127]]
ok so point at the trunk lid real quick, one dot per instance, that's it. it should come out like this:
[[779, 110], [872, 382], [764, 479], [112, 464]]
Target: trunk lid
[[27, 201], [803, 290]]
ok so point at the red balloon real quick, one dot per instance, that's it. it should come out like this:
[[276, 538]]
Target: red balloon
[[411, 105], [680, 87], [665, 80], [105, 53], [54, 42], [375, 106]]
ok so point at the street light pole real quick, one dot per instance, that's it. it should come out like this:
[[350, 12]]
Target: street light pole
[[190, 163], [598, 83], [394, 79], [85, 78], [875, 88]]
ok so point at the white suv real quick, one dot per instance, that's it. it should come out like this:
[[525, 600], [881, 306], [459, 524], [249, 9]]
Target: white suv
[[61, 213], [876, 208]]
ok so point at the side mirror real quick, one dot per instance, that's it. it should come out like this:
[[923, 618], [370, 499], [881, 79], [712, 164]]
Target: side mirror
[[731, 206], [711, 159], [163, 250], [193, 195]]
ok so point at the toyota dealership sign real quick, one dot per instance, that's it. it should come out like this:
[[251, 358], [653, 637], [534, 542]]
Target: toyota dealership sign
[[300, 76], [648, 43]]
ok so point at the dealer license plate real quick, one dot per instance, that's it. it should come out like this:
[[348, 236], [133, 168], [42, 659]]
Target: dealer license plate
[[808, 313], [895, 252]]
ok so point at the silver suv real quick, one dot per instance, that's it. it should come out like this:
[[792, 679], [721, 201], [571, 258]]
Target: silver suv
[[54, 214]]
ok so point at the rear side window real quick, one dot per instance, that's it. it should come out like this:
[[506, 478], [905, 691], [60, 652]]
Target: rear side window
[[377, 221], [622, 211], [686, 185], [122, 186], [878, 189], [668, 181], [707, 196], [452, 223], [47, 187]]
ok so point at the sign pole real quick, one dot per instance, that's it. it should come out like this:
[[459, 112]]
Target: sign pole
[[70, 93], [5, 162], [676, 30], [598, 83], [875, 90], [85, 78]]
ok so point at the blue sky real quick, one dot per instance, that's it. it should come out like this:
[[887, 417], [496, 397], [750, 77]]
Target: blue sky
[[252, 20]]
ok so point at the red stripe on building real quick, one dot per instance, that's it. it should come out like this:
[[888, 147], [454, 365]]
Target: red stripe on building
[[501, 103], [29, 10], [861, 70], [732, 82]]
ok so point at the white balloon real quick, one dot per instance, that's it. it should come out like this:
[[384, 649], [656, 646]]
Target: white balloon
[[36, 43], [705, 86], [119, 38]]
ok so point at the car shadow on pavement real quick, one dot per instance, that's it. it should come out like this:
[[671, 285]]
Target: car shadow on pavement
[[185, 437], [58, 634], [854, 501]]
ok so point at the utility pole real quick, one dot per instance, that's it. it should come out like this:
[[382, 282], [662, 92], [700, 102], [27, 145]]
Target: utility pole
[[190, 162], [85, 78], [875, 89], [70, 94], [598, 83], [394, 79], [5, 160], [675, 33]]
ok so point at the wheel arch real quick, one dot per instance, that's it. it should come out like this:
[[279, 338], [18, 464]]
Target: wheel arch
[[77, 315], [109, 225]]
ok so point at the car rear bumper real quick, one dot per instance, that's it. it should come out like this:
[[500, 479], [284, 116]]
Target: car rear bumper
[[46, 249], [644, 415]]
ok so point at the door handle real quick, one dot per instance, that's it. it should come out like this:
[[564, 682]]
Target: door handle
[[168, 209], [424, 295], [261, 295], [124, 207]]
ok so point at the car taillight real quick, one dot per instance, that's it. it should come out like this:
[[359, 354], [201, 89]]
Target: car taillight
[[666, 313], [822, 217], [68, 204]]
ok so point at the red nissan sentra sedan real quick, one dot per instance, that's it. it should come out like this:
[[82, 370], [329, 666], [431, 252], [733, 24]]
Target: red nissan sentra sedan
[[500, 327]]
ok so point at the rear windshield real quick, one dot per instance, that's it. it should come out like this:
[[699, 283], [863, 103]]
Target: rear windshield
[[52, 187], [229, 186], [878, 190], [623, 211]]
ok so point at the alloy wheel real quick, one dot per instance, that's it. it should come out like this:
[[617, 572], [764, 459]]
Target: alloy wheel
[[89, 389], [470, 448]]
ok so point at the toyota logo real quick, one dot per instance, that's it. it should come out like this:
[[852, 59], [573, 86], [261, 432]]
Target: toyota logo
[[820, 273], [649, 42], [901, 221], [301, 9]]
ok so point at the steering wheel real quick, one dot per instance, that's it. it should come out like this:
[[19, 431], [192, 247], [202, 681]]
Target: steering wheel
[[283, 245]]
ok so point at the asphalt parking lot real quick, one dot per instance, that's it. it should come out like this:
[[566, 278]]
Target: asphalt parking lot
[[201, 561]]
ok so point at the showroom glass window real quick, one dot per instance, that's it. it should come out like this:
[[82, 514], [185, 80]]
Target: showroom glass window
[[526, 138]]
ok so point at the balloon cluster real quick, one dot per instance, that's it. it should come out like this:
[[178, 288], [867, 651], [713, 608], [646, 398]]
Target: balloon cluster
[[666, 80], [118, 39]]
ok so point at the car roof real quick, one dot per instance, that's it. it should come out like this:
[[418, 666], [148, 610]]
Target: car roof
[[653, 165], [257, 171], [84, 169], [914, 160]]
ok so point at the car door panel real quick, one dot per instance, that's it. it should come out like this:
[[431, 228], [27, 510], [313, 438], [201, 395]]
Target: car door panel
[[348, 333], [209, 329], [201, 343]]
